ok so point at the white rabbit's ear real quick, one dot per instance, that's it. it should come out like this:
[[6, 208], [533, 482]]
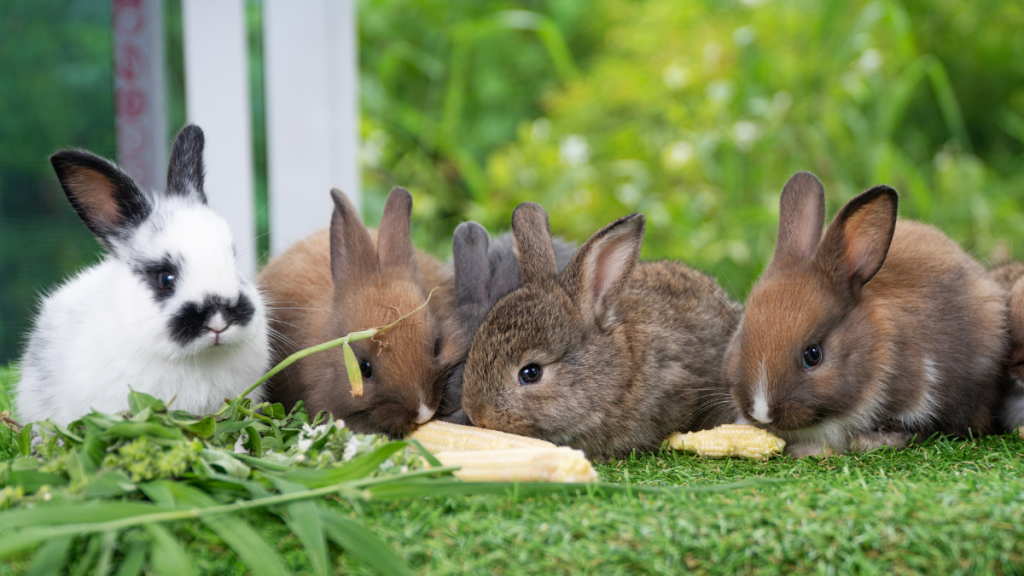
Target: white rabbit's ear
[[185, 172], [105, 197]]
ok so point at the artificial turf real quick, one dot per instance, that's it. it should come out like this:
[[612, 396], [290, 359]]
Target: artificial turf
[[947, 507]]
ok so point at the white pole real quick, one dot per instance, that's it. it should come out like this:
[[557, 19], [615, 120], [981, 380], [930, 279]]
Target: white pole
[[217, 99], [312, 104]]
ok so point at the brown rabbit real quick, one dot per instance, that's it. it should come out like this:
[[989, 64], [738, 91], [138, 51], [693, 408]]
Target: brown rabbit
[[838, 352], [1011, 278], [609, 357], [348, 279]]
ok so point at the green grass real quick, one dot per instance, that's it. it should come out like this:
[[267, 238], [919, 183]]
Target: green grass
[[7, 438], [948, 507]]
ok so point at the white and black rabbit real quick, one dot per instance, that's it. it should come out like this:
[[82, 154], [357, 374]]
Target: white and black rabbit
[[165, 312], [485, 271]]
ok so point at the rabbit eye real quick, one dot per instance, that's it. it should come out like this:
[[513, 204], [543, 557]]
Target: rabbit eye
[[365, 369], [812, 356], [165, 280], [530, 374]]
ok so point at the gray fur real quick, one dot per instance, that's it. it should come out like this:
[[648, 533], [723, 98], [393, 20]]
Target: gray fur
[[630, 351], [485, 271]]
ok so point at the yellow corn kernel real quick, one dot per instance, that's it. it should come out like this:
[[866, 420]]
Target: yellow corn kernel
[[437, 436], [741, 440], [557, 464]]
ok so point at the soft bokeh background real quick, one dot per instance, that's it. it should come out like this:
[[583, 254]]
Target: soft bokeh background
[[694, 113]]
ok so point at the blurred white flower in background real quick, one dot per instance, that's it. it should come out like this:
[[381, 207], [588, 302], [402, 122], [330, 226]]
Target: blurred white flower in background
[[712, 55], [372, 150], [574, 150], [541, 130], [677, 155], [744, 133], [675, 77], [719, 92], [870, 60], [744, 35]]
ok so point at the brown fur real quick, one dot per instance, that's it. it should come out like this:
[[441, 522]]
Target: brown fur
[[630, 351], [909, 348], [370, 281], [1011, 278]]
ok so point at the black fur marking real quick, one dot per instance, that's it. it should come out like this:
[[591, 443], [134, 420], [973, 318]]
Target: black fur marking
[[133, 205], [149, 272], [185, 171], [190, 321]]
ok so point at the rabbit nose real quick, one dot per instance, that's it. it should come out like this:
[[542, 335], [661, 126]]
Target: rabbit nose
[[217, 323]]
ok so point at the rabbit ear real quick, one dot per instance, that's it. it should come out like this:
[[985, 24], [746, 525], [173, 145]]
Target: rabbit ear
[[532, 237], [352, 251], [801, 218], [597, 275], [394, 246], [105, 197], [469, 256], [185, 171], [858, 239]]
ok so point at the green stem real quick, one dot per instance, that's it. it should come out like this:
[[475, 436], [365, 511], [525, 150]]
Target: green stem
[[351, 337], [351, 489]]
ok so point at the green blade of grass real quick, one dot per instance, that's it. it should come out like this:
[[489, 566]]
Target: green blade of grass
[[107, 542], [133, 560], [356, 540], [76, 513], [49, 559], [168, 558], [304, 521], [259, 556]]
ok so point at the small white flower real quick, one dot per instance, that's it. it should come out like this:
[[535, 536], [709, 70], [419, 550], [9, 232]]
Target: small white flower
[[574, 151], [719, 92], [541, 130], [675, 77], [305, 444], [870, 60], [678, 154], [744, 35], [744, 133]]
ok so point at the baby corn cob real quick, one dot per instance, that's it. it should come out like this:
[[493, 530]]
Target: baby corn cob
[[741, 440], [556, 464], [437, 436]]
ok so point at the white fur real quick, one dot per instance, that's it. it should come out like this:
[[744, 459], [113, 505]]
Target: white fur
[[760, 412], [927, 407], [103, 332]]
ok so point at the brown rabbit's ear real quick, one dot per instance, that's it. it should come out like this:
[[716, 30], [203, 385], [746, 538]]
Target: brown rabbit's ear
[[469, 257], [858, 239], [597, 275], [105, 197], [801, 219], [394, 246], [352, 252], [532, 236]]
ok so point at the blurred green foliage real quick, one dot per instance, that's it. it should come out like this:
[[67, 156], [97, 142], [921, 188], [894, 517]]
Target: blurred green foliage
[[696, 113]]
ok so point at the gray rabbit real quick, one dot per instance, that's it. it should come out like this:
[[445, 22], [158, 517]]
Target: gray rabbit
[[485, 271]]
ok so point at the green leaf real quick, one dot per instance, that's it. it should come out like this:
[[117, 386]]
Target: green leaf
[[228, 427], [358, 467], [49, 559], [304, 521], [112, 483], [257, 554], [25, 440], [30, 480], [168, 557], [136, 429], [226, 462], [275, 411], [139, 401], [133, 560], [15, 542], [85, 513], [80, 466], [86, 561], [254, 443], [361, 543], [204, 428], [107, 542]]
